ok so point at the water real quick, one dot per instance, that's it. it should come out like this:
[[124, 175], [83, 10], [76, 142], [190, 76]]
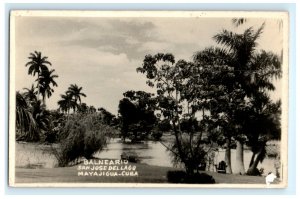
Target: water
[[151, 153]]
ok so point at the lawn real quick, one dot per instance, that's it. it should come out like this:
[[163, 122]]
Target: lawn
[[146, 174]]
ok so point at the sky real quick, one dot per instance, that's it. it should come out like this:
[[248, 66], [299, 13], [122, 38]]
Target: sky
[[101, 54]]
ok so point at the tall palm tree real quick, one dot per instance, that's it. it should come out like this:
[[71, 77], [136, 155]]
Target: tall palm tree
[[45, 79], [36, 64], [253, 69], [75, 92]]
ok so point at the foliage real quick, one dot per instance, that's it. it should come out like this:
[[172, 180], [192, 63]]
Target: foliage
[[45, 79], [39, 65], [107, 117], [238, 75], [137, 115], [179, 98], [183, 177], [75, 93], [25, 123], [81, 137], [66, 103], [57, 121], [30, 94], [70, 98]]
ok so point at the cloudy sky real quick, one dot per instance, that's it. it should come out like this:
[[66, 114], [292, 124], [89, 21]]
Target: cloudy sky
[[102, 54]]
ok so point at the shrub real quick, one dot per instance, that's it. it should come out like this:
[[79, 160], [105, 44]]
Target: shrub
[[255, 172], [156, 135], [176, 176], [81, 137], [183, 177], [200, 178], [57, 121]]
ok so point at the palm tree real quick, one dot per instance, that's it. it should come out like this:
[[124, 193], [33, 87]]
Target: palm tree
[[66, 103], [263, 125], [36, 64], [45, 79], [75, 92], [30, 93], [251, 72], [41, 115], [25, 122]]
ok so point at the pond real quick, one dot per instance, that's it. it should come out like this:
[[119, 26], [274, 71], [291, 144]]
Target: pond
[[152, 153]]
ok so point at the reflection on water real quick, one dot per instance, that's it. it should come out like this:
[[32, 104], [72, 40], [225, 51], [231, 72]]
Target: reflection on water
[[152, 153]]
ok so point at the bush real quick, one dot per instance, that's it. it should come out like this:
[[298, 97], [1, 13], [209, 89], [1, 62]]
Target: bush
[[156, 135], [183, 177], [57, 121], [176, 176], [81, 137], [256, 172], [200, 178]]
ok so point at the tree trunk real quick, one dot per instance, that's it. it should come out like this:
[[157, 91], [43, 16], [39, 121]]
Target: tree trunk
[[252, 168], [240, 158], [252, 159], [179, 147], [253, 164], [228, 156]]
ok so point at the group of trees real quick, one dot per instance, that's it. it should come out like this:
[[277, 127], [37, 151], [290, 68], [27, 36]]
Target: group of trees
[[137, 118], [222, 97], [72, 99], [32, 117]]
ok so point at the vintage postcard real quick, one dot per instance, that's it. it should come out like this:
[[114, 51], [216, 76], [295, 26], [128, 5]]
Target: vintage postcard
[[148, 99]]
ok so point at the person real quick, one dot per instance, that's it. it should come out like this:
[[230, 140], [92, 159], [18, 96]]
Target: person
[[270, 178]]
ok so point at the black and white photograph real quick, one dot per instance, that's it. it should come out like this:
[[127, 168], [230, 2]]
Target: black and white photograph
[[148, 99]]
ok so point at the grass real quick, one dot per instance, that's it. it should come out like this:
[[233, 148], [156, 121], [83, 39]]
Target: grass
[[146, 174]]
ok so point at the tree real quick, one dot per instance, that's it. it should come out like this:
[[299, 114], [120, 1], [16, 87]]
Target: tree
[[30, 94], [176, 100], [137, 115], [92, 109], [36, 64], [25, 122], [263, 125], [45, 79], [66, 103], [216, 97], [41, 116], [82, 108], [75, 92], [248, 71], [107, 117]]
